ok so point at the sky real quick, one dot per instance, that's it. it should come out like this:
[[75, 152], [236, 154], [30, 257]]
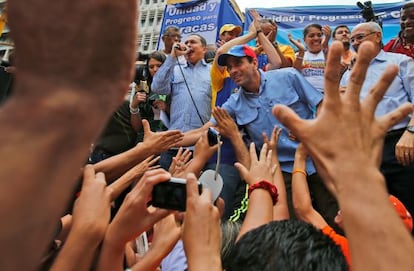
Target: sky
[[243, 4]]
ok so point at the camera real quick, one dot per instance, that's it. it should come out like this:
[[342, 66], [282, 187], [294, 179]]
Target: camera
[[368, 12], [213, 136], [171, 195], [141, 73]]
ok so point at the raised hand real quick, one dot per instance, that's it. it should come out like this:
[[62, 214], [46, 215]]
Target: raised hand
[[348, 158], [201, 229], [160, 141], [297, 43], [326, 30], [180, 162], [90, 220], [404, 149], [225, 123], [338, 111], [77, 60], [256, 20], [261, 168], [134, 174], [133, 218], [274, 139]]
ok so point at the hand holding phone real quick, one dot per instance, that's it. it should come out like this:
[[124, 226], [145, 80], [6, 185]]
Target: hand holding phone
[[171, 195]]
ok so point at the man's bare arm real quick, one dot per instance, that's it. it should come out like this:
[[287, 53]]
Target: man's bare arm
[[349, 129], [63, 81]]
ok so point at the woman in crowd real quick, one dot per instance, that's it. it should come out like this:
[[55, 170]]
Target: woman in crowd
[[148, 105], [311, 60]]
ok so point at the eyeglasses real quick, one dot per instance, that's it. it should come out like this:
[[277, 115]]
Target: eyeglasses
[[360, 37]]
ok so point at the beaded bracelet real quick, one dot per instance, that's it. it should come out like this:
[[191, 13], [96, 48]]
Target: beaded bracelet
[[269, 187]]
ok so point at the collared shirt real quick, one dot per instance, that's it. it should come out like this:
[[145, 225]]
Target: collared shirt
[[254, 111], [173, 78], [400, 46], [401, 89]]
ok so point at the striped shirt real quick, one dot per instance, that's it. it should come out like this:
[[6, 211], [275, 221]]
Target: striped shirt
[[173, 78]]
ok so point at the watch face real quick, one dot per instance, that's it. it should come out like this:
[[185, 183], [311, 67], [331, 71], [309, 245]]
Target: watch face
[[410, 129]]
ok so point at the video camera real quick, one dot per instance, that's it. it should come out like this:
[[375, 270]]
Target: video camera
[[141, 73], [368, 13]]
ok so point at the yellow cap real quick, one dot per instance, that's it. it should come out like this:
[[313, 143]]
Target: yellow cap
[[231, 27]]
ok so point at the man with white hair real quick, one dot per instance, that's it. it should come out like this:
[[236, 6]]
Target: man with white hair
[[398, 152]]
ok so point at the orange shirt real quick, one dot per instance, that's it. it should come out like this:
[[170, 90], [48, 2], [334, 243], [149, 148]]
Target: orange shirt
[[340, 241]]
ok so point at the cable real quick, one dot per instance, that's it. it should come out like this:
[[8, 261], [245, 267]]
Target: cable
[[201, 119], [218, 157], [189, 92]]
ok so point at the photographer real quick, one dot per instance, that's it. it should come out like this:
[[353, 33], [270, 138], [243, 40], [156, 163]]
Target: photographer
[[146, 104]]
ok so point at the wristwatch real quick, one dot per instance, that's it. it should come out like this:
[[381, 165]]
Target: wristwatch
[[271, 188], [410, 128]]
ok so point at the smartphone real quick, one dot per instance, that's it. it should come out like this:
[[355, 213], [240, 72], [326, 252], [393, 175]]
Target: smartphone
[[213, 136], [171, 195]]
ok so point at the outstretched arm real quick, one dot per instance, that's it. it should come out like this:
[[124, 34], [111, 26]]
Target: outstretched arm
[[70, 102], [350, 129], [201, 229], [225, 47], [297, 64], [260, 209], [326, 30], [228, 128], [90, 220], [300, 191], [266, 41], [280, 210], [154, 143], [133, 218]]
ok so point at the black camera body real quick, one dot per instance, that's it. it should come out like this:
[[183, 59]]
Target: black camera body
[[368, 12], [213, 136], [171, 195]]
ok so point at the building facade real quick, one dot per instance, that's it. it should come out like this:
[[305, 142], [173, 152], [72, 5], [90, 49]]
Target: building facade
[[151, 13]]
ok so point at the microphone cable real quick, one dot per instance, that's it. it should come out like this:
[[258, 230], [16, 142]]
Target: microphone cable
[[199, 115]]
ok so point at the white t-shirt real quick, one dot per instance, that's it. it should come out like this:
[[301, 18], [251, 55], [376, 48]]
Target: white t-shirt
[[313, 69]]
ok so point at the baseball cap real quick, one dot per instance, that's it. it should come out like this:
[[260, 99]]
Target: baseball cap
[[231, 27], [237, 51], [402, 212]]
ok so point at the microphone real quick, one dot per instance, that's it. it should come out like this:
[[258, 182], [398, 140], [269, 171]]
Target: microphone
[[178, 47]]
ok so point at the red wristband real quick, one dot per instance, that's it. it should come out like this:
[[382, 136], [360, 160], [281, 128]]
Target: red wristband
[[271, 188]]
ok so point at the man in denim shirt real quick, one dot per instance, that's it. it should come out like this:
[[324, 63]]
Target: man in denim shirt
[[188, 111], [251, 107], [398, 153]]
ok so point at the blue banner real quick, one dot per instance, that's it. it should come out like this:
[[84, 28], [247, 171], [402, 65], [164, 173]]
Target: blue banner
[[204, 17], [293, 20]]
